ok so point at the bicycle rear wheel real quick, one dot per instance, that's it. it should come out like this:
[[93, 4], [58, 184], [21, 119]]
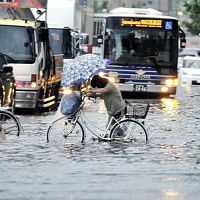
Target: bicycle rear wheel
[[9, 124], [66, 130], [129, 130]]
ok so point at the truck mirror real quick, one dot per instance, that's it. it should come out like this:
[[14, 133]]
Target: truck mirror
[[84, 38], [75, 34], [182, 43], [30, 30], [43, 34], [100, 39], [7, 68]]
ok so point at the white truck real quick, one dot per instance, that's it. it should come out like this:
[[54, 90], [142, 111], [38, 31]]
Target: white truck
[[66, 24], [35, 69]]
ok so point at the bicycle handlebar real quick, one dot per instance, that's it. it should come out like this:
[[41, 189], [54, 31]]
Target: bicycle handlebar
[[90, 96]]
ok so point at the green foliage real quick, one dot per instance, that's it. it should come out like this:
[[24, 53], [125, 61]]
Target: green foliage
[[192, 10], [136, 5], [99, 7]]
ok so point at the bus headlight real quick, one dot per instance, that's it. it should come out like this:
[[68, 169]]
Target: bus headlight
[[164, 89], [171, 82]]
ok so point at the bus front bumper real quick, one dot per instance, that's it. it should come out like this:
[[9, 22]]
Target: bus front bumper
[[146, 88]]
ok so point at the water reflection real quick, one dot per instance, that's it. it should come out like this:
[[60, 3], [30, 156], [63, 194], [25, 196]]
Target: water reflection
[[171, 194], [167, 168], [170, 105]]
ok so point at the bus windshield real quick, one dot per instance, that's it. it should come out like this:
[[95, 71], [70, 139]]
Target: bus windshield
[[140, 46], [17, 44]]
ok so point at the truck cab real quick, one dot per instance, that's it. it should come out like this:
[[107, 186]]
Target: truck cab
[[26, 46]]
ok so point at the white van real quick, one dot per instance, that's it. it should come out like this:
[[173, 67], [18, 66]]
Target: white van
[[189, 52], [189, 73]]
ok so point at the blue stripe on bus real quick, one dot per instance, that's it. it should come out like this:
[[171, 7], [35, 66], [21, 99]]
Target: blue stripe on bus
[[125, 72]]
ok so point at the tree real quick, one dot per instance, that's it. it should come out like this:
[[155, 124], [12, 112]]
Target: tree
[[100, 6], [192, 10]]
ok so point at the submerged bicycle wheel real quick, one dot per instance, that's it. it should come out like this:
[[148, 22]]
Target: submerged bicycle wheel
[[129, 130], [67, 130], [9, 124]]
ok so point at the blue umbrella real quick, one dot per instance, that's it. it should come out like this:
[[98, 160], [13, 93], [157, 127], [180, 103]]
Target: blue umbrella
[[81, 68]]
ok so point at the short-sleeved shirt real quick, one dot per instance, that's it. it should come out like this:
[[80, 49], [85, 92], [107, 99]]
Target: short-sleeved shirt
[[113, 99]]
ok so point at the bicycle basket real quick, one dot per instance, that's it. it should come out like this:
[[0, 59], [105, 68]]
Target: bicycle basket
[[137, 111]]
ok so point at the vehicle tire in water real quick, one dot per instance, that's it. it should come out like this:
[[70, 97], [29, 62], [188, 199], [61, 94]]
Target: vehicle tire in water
[[129, 130], [9, 123]]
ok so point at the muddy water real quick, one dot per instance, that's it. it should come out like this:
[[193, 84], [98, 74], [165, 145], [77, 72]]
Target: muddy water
[[167, 168]]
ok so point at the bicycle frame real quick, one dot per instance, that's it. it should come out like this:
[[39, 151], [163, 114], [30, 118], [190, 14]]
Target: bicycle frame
[[85, 121], [82, 118]]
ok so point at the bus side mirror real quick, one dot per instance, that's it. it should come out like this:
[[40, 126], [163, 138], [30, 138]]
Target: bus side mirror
[[182, 38], [182, 43], [43, 35], [100, 39]]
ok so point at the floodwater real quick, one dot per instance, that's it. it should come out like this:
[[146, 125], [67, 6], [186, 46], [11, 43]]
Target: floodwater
[[167, 168]]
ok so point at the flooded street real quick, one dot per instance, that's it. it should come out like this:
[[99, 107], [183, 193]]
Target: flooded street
[[167, 168]]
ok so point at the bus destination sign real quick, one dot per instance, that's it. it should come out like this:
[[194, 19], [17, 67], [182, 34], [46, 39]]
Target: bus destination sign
[[146, 23]]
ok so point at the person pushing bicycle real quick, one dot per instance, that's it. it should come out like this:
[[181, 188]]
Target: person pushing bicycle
[[111, 95]]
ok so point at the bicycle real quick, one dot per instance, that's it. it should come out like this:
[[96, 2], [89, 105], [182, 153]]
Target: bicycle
[[9, 123], [130, 128]]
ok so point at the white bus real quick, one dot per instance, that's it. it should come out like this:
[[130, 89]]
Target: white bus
[[143, 47]]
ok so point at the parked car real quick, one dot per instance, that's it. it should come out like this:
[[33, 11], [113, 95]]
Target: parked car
[[189, 52], [189, 73], [7, 84], [180, 62]]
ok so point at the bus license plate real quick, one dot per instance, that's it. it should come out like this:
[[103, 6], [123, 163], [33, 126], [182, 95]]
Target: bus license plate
[[139, 88]]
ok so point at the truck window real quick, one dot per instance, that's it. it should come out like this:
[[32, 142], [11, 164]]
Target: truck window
[[15, 42]]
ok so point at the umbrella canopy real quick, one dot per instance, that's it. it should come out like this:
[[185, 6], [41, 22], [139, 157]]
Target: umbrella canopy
[[81, 68]]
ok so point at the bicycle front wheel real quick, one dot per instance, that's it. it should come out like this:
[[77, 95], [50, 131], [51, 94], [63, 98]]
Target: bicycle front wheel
[[129, 130], [69, 130], [74, 132], [9, 124]]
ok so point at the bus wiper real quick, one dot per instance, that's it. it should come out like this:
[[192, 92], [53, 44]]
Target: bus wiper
[[9, 59]]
